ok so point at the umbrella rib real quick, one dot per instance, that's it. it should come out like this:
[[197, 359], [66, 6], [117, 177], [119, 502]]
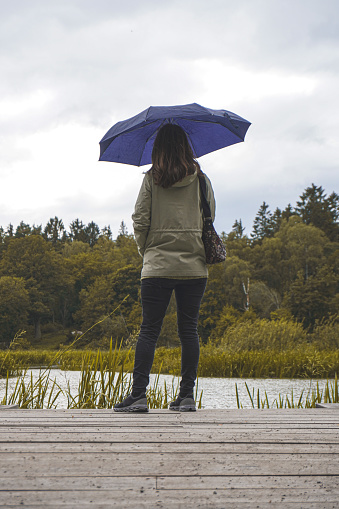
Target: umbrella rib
[[149, 137]]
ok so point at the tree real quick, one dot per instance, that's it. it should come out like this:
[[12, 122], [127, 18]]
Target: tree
[[10, 231], [266, 258], [276, 221], [238, 229], [55, 232], [106, 293], [287, 212], [14, 304], [315, 208], [32, 259], [24, 229], [92, 231], [107, 232], [264, 299], [262, 225], [122, 235], [224, 288], [303, 249], [123, 229], [77, 231], [310, 299]]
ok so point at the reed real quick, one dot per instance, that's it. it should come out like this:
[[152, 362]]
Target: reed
[[329, 394], [103, 383], [8, 366], [306, 361]]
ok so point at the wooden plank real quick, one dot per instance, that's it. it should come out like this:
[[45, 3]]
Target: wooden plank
[[160, 464], [211, 415], [203, 482], [73, 426], [89, 425], [175, 504], [188, 447], [170, 498], [178, 438], [226, 458], [175, 437], [245, 482], [328, 406], [64, 483]]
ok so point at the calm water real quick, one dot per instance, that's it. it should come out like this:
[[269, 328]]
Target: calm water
[[217, 392]]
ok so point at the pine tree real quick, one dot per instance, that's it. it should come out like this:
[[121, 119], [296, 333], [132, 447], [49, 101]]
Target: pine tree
[[77, 231], [54, 231], [92, 231], [107, 232], [238, 229], [315, 208], [262, 225]]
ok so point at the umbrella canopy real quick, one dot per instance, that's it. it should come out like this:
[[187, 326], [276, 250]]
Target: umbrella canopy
[[131, 141]]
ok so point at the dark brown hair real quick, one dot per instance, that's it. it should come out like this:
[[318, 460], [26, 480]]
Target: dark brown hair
[[172, 156]]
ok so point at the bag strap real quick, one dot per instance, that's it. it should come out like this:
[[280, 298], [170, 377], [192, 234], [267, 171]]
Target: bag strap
[[205, 205]]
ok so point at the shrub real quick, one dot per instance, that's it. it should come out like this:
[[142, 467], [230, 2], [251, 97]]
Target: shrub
[[326, 335], [263, 334]]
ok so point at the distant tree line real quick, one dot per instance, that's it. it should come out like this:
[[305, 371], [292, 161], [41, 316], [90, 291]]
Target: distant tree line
[[288, 267]]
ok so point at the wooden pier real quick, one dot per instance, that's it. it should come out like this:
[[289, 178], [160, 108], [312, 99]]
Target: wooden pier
[[207, 459]]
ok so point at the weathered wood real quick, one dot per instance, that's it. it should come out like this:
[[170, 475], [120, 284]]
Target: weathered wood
[[161, 464], [208, 459], [168, 447], [173, 504], [173, 499], [176, 504], [57, 483], [213, 415], [246, 482], [5, 425], [328, 406], [175, 437], [64, 483]]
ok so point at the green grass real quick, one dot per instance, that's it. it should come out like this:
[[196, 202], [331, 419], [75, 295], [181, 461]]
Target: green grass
[[103, 382], [303, 362], [306, 361]]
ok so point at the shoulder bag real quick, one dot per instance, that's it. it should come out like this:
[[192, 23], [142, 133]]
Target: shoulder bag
[[214, 247]]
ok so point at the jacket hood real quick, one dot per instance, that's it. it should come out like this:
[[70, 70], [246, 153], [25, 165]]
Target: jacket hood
[[186, 181]]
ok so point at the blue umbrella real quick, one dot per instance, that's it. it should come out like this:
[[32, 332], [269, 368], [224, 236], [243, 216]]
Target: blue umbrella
[[131, 141]]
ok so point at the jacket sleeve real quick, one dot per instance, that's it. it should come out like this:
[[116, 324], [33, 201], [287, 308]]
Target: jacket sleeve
[[210, 196], [142, 214]]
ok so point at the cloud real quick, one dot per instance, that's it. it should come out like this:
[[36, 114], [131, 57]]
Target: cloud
[[72, 69]]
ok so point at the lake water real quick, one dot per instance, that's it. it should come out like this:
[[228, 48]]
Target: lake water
[[217, 392]]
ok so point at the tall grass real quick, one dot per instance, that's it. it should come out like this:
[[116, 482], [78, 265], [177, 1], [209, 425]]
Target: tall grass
[[8, 366], [330, 394], [103, 383], [303, 362], [99, 385], [306, 361], [262, 334]]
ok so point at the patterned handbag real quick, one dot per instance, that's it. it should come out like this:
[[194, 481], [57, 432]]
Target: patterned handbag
[[214, 247]]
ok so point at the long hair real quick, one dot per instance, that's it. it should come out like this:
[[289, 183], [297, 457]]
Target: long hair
[[172, 156]]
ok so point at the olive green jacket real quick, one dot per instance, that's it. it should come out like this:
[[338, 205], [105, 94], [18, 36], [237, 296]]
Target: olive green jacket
[[168, 227]]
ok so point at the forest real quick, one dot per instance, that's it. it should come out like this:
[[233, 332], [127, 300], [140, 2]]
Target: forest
[[55, 281]]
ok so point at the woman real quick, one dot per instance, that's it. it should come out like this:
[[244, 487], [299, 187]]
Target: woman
[[168, 225]]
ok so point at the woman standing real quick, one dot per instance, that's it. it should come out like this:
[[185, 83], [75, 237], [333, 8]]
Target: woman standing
[[168, 225]]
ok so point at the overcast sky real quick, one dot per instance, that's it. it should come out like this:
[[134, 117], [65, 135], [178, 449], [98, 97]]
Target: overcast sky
[[70, 69]]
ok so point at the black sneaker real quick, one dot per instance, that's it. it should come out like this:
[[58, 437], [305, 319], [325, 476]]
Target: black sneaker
[[185, 404], [131, 404]]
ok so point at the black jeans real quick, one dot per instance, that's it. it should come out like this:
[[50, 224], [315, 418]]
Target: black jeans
[[155, 297]]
